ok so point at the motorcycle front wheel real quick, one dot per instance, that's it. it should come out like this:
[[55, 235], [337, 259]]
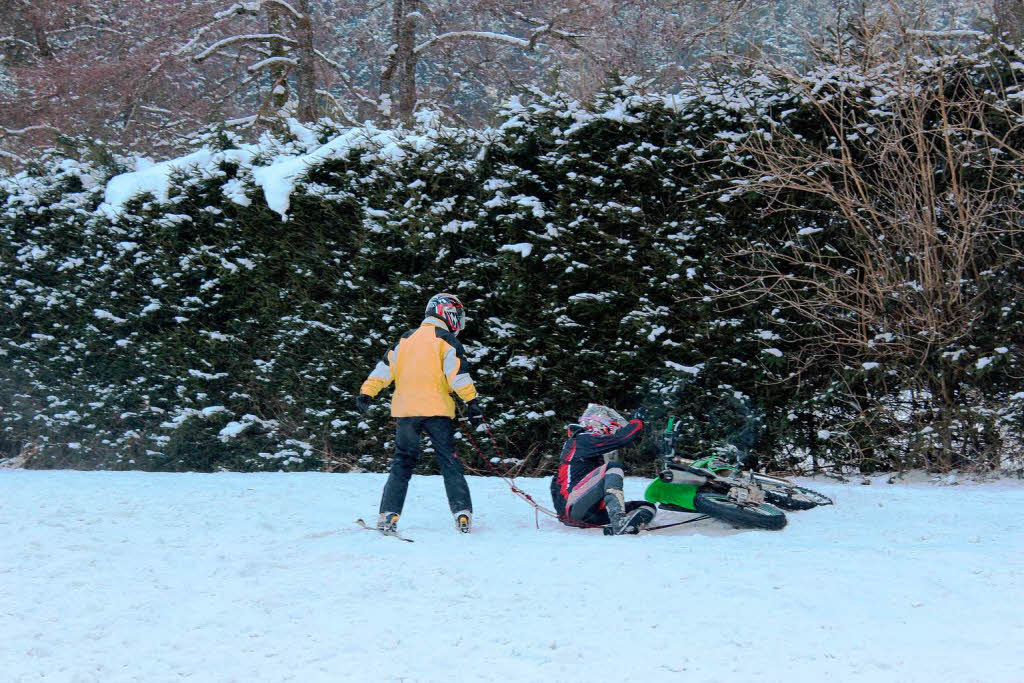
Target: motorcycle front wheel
[[790, 497], [720, 506]]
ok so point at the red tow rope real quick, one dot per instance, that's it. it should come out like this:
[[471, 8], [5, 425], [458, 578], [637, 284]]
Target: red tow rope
[[537, 507]]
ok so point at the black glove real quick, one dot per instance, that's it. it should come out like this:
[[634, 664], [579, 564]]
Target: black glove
[[475, 415], [639, 414], [363, 402]]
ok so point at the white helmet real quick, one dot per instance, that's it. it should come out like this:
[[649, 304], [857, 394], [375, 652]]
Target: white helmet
[[601, 419]]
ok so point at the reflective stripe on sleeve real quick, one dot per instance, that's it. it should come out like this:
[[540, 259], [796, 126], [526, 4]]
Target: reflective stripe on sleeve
[[382, 371], [451, 363]]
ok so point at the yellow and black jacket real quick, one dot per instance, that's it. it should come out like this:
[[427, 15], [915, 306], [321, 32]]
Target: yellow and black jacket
[[426, 365]]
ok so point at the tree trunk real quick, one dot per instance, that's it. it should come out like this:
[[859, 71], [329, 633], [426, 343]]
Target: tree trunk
[[1010, 19], [306, 81], [387, 77], [41, 38], [398, 81], [407, 72], [278, 73]]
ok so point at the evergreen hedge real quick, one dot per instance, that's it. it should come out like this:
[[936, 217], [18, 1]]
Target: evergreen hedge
[[225, 320]]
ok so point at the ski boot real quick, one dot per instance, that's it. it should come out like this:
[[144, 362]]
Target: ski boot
[[463, 521], [388, 522], [630, 522]]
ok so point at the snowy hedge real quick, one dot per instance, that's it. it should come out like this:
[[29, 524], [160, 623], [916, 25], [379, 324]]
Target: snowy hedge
[[220, 310]]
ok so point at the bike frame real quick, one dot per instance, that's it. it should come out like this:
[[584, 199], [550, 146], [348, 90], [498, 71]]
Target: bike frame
[[677, 486]]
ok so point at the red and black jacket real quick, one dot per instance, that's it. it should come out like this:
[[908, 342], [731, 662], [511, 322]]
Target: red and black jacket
[[583, 452]]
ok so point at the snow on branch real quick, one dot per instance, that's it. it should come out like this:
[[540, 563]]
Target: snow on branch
[[542, 27], [473, 35], [199, 31], [344, 79], [244, 122], [18, 41], [330, 61], [249, 38], [254, 7], [281, 3], [28, 129], [13, 157], [272, 61], [238, 8], [89, 27], [337, 107], [952, 33]]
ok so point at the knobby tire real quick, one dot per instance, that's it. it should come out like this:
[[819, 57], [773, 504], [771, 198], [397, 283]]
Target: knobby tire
[[792, 497], [720, 506]]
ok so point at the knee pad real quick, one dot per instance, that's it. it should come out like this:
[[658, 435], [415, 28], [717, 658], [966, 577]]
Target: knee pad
[[613, 478]]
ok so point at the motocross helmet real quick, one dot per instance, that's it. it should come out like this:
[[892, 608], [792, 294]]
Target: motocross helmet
[[599, 419], [449, 309]]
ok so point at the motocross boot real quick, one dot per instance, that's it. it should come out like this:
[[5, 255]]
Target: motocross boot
[[630, 522], [615, 505]]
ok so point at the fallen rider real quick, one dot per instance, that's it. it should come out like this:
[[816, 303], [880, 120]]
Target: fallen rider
[[587, 490]]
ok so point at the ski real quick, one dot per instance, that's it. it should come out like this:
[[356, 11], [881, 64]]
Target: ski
[[382, 532]]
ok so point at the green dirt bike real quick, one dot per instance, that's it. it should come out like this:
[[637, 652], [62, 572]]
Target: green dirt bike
[[716, 488]]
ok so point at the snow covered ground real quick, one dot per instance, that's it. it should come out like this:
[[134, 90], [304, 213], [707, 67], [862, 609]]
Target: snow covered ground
[[264, 577]]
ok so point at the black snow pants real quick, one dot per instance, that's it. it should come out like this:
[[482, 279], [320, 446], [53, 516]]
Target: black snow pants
[[441, 431]]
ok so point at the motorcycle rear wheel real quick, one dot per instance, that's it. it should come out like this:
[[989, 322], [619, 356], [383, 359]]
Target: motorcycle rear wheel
[[720, 506]]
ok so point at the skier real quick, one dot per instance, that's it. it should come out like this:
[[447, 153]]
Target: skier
[[588, 486], [426, 365]]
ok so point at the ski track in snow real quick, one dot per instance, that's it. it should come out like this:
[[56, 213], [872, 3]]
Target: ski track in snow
[[264, 577]]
